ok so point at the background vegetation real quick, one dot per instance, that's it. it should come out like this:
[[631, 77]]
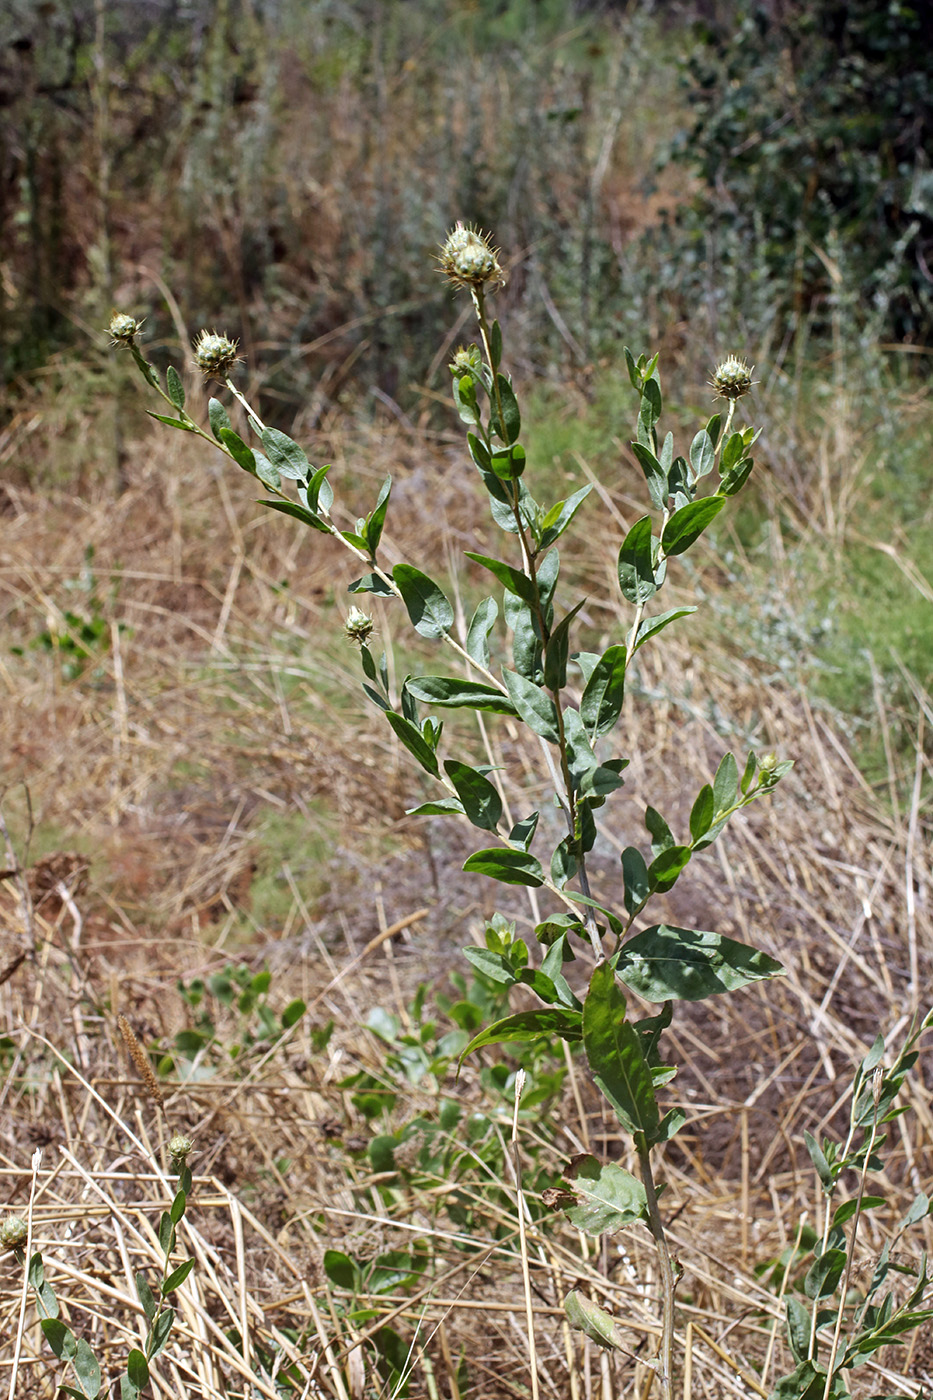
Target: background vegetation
[[190, 782]]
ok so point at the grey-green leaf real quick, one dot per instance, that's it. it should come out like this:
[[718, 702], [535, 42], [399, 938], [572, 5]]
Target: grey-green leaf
[[601, 1197], [285, 455], [481, 801], [676, 964], [507, 866], [616, 1058], [484, 619], [452, 693], [541, 1024], [687, 524], [176, 389], [601, 703], [533, 705], [636, 570], [430, 612], [218, 418]]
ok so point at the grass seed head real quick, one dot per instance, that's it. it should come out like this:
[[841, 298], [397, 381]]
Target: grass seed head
[[140, 1060], [732, 378], [215, 354], [468, 259]]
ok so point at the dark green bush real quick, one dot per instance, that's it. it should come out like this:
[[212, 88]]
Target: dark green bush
[[812, 126]]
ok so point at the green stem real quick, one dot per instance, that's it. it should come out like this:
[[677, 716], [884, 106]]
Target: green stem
[[666, 1268]]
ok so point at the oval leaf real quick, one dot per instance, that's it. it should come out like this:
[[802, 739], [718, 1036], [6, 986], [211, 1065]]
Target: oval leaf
[[481, 801], [615, 1054], [679, 964], [509, 867], [687, 524], [430, 612]]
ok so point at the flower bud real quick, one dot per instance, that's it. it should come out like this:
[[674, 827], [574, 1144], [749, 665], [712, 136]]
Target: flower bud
[[123, 329], [178, 1149], [732, 378], [215, 354], [467, 360], [13, 1233], [358, 626], [468, 259]]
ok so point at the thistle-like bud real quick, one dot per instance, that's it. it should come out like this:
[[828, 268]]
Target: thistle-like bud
[[358, 627], [123, 329], [13, 1233], [178, 1149], [767, 765], [468, 259], [732, 378], [467, 360], [215, 354]]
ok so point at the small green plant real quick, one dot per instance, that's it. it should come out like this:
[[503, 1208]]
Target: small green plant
[[160, 1315], [847, 1323], [197, 1048], [569, 701]]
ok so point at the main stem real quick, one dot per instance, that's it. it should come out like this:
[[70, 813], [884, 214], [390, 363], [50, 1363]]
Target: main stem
[[656, 1226]]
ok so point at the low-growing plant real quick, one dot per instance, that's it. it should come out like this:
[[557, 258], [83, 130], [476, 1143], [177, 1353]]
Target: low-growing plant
[[536, 671]]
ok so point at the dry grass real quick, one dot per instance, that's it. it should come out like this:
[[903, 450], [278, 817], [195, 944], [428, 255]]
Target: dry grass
[[222, 700]]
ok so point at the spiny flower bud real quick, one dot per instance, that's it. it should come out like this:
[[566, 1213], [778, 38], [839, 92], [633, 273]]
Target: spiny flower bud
[[467, 360], [767, 766], [468, 259], [358, 627], [215, 354], [123, 329], [178, 1149], [732, 378], [13, 1233]]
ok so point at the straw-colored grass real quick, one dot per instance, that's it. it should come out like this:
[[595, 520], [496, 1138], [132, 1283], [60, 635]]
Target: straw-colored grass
[[223, 703]]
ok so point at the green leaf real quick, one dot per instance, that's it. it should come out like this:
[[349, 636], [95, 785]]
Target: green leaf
[[144, 1293], [293, 1012], [160, 1333], [655, 475], [510, 425], [541, 1024], [481, 801], [649, 410], [667, 865], [636, 569], [369, 583], [615, 1055], [484, 619], [180, 423], [513, 579], [495, 344], [559, 517], [602, 1197], [509, 867], [509, 462], [410, 735], [430, 612], [177, 1277], [701, 813], [725, 783], [495, 966], [818, 1158], [166, 1233], [687, 524], [285, 455], [638, 883], [522, 833], [137, 1368], [601, 702], [594, 1322], [651, 625], [798, 1328], [176, 390], [297, 513], [664, 963], [558, 650], [824, 1274], [218, 418], [128, 1391], [178, 1207], [806, 1382], [443, 807], [848, 1208], [702, 453], [452, 693], [733, 481], [661, 836], [732, 452], [376, 521], [46, 1302], [533, 705], [87, 1369], [241, 454], [59, 1337]]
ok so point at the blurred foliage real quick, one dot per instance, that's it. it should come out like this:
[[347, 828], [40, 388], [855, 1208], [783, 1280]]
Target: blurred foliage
[[812, 130]]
